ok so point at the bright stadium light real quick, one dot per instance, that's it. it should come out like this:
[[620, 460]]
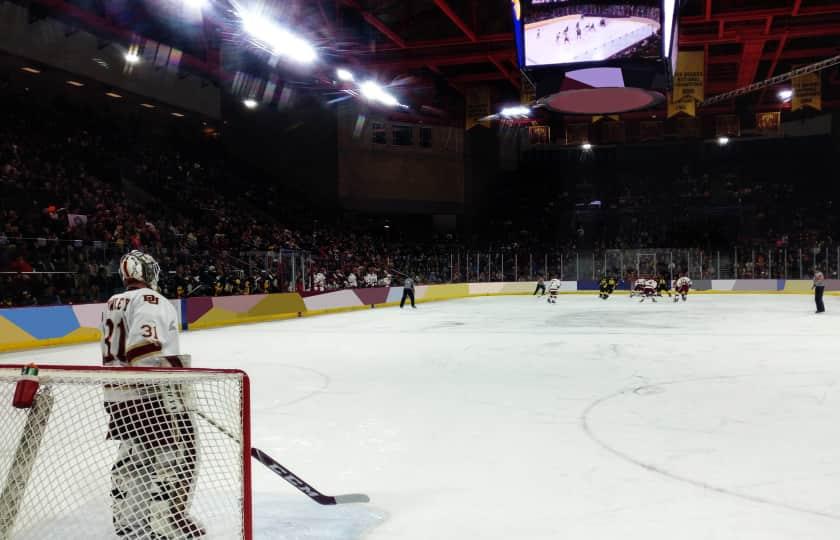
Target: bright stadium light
[[277, 39], [374, 92], [344, 75], [586, 147], [511, 112], [132, 58], [250, 103], [785, 95], [195, 4], [723, 141]]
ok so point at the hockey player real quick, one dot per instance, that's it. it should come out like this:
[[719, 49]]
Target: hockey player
[[540, 287], [352, 282], [553, 289], [681, 288], [319, 282], [606, 287], [662, 286], [638, 287], [649, 290], [153, 476]]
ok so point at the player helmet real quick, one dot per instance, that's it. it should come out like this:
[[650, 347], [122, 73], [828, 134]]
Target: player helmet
[[138, 266]]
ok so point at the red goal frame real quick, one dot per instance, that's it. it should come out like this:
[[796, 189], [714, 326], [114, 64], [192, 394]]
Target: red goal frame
[[247, 497]]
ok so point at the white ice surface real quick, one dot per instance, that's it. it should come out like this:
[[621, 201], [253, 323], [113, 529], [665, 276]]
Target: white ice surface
[[599, 44], [509, 418]]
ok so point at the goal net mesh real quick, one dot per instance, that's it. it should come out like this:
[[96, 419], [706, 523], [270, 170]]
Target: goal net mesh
[[164, 457]]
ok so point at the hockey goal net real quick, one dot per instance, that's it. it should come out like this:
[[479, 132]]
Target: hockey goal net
[[70, 469]]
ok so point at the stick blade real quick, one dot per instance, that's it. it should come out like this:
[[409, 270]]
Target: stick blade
[[352, 498]]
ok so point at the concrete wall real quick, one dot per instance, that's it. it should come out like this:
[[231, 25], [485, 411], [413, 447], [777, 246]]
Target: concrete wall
[[30, 327]]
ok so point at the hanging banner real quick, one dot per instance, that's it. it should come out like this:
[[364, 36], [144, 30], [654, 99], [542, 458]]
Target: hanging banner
[[600, 117], [687, 107], [690, 75], [539, 134], [477, 106], [768, 122], [807, 92], [727, 125], [528, 93], [577, 133]]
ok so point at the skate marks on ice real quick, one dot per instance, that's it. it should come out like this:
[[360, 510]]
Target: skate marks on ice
[[678, 430]]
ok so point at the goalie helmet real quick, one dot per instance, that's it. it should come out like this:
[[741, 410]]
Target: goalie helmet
[[138, 266]]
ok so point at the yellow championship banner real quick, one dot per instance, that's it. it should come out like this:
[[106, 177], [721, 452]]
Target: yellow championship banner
[[687, 106], [807, 92], [690, 76], [477, 106], [539, 134], [768, 122]]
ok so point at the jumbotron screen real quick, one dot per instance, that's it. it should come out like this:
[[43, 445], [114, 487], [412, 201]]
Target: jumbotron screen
[[560, 32]]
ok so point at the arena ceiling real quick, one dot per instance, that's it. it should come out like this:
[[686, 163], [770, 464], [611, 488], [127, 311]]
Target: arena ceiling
[[468, 42]]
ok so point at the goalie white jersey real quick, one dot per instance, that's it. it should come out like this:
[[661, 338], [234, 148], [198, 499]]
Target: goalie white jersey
[[139, 327], [554, 285]]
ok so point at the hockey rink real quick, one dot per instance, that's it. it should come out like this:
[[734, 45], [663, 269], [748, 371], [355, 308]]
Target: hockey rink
[[504, 418], [545, 44]]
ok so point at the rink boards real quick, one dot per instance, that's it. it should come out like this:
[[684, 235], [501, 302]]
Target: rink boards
[[30, 327]]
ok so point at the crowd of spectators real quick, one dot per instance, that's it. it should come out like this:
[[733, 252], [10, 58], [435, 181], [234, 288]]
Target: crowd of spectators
[[77, 193]]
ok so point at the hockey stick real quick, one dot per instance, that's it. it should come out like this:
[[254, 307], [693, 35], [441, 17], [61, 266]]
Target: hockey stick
[[289, 476], [293, 479]]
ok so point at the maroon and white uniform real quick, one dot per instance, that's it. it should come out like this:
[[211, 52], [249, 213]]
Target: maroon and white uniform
[[682, 287], [639, 286], [156, 464]]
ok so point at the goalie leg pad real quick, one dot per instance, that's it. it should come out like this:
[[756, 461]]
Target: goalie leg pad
[[131, 482], [175, 468]]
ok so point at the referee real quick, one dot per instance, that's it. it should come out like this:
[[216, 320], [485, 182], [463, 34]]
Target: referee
[[408, 292], [819, 289], [540, 287]]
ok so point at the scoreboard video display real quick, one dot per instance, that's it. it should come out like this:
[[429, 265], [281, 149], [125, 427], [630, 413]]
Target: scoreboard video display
[[580, 32]]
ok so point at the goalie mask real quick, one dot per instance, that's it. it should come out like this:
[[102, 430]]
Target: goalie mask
[[139, 266]]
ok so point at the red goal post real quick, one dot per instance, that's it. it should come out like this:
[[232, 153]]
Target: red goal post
[[56, 457]]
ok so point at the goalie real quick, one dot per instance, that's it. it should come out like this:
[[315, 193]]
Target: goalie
[[154, 474]]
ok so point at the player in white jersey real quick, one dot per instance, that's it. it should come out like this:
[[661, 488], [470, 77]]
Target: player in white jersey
[[649, 290], [638, 287], [153, 476], [553, 289], [319, 281], [681, 288]]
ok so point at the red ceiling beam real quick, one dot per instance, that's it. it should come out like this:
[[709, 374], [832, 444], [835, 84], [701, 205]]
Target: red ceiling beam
[[447, 10], [748, 66], [478, 77], [797, 54], [708, 10], [797, 5], [372, 20], [760, 14], [513, 80], [742, 36]]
